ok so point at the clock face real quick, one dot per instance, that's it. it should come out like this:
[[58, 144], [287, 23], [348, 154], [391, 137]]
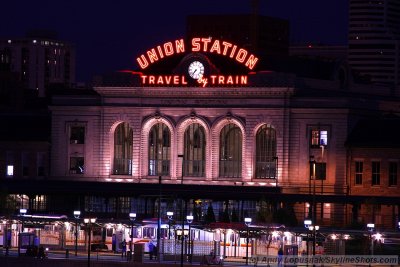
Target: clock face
[[196, 70]]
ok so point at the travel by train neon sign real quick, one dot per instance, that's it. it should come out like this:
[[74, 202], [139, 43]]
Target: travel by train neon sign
[[195, 69]]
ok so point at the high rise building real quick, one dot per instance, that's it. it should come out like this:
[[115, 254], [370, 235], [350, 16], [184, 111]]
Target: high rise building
[[39, 59], [374, 40]]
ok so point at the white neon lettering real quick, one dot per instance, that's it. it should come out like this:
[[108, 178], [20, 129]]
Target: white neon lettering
[[143, 63], [229, 80], [205, 41], [143, 79], [168, 49], [195, 44], [151, 79], [243, 80], [180, 46], [215, 47], [168, 79], [160, 80], [241, 55], [221, 79]]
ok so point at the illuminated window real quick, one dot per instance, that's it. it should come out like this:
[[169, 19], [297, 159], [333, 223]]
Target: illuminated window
[[159, 150], [230, 158], [319, 138], [266, 152], [392, 173], [10, 170], [77, 135], [376, 173], [123, 139], [77, 165], [359, 165], [194, 151], [327, 211]]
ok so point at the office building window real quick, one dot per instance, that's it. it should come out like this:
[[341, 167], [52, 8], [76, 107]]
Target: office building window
[[376, 173], [123, 139], [266, 152], [159, 149], [194, 155], [392, 173], [359, 166], [230, 158]]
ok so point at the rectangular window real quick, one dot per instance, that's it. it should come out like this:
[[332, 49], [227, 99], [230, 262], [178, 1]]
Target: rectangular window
[[10, 170], [76, 165], [77, 135], [392, 173], [319, 138], [327, 211], [41, 159], [376, 173], [359, 172], [318, 170], [25, 164]]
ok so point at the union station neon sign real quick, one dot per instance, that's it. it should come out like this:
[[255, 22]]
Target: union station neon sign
[[196, 69]]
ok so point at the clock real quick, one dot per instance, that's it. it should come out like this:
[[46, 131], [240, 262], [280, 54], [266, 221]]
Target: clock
[[196, 70]]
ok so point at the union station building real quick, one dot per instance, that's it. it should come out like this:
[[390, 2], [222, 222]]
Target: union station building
[[208, 122]]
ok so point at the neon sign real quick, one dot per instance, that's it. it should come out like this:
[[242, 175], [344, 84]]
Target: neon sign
[[207, 45]]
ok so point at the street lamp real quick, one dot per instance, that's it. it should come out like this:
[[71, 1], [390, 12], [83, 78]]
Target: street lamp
[[307, 224], [77, 213], [132, 217], [189, 219], [247, 221], [170, 214], [22, 213], [371, 227], [89, 222]]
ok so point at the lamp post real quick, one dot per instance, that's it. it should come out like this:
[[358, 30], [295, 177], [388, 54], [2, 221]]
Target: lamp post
[[247, 221], [132, 218], [89, 222], [307, 224], [189, 219], [371, 227], [77, 213], [170, 214], [314, 229], [182, 211], [22, 213]]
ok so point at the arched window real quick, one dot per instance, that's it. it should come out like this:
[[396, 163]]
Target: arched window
[[123, 138], [159, 149], [230, 157], [266, 152], [194, 157]]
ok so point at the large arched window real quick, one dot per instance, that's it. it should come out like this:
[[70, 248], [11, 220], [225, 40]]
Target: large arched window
[[230, 157], [194, 156], [123, 138], [159, 149], [266, 152]]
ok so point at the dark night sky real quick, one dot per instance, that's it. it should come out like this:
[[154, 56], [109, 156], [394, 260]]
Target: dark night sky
[[109, 35]]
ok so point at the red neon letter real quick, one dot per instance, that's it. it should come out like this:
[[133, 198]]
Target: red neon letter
[[226, 46], [233, 51], [205, 43], [251, 62], [143, 63], [143, 79], [180, 46], [152, 55], [243, 80], [195, 44], [216, 47], [169, 49], [241, 55], [160, 51]]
